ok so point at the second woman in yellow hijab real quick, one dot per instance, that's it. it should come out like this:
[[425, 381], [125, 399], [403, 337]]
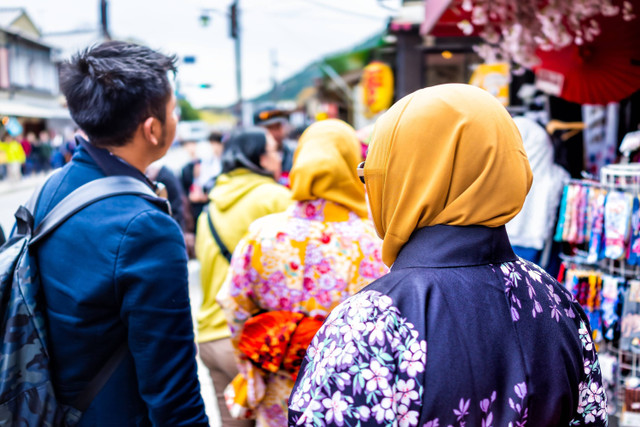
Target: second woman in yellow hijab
[[293, 268]]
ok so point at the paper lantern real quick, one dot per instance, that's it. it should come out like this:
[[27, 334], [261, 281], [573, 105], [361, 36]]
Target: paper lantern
[[377, 88]]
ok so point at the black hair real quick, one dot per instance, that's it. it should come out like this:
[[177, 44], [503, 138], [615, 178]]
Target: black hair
[[215, 137], [243, 149], [113, 87]]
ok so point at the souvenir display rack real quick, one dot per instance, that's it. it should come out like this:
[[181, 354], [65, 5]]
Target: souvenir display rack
[[626, 370], [627, 178]]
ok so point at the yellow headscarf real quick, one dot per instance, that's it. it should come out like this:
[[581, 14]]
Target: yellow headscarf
[[324, 166], [448, 154]]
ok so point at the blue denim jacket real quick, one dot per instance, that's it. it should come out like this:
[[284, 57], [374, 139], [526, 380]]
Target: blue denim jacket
[[117, 271]]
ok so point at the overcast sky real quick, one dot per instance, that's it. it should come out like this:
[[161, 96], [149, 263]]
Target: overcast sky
[[299, 30]]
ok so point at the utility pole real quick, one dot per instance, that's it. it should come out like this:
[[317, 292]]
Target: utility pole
[[104, 22], [234, 17]]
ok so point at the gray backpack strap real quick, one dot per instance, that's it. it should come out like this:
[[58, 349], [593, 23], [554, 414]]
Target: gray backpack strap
[[24, 214], [87, 194]]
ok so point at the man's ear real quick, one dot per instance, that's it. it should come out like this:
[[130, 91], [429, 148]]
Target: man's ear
[[152, 130]]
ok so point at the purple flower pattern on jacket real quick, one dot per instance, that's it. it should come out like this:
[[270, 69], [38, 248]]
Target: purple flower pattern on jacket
[[364, 348], [368, 352], [462, 411], [518, 273], [592, 405]]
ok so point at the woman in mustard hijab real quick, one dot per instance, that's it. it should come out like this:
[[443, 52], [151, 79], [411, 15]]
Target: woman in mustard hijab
[[294, 267], [461, 331]]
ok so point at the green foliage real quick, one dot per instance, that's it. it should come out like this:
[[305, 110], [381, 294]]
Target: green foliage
[[187, 112]]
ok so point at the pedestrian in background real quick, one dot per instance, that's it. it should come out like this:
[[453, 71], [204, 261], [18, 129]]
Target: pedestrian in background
[[26, 147], [294, 267], [461, 331], [14, 156], [42, 151], [245, 191], [31, 165], [4, 157], [211, 164], [161, 174], [114, 276], [276, 122], [190, 179], [530, 232]]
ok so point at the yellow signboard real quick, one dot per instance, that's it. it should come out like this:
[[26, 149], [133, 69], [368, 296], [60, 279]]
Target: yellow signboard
[[494, 78], [377, 85]]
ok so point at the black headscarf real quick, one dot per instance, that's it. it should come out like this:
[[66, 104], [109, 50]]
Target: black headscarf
[[243, 149]]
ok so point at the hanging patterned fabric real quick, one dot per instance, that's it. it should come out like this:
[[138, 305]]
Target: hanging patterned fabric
[[597, 229], [617, 215], [562, 216], [630, 322], [634, 246], [612, 298]]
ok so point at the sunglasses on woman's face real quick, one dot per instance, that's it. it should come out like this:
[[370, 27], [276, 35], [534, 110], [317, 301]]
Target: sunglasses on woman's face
[[360, 170]]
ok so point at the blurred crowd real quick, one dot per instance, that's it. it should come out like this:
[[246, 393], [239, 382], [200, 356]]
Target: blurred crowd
[[189, 184], [27, 154]]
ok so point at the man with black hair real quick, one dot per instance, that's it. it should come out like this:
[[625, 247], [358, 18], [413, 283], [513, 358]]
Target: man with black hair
[[276, 122], [116, 272]]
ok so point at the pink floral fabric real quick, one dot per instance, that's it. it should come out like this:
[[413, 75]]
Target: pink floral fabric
[[307, 259]]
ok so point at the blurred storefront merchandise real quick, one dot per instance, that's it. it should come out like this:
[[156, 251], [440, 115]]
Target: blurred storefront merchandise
[[494, 78]]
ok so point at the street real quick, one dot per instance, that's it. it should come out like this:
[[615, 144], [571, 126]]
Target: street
[[8, 204], [11, 196], [14, 194]]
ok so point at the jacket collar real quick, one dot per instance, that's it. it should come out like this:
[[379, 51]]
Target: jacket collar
[[108, 163], [455, 246]]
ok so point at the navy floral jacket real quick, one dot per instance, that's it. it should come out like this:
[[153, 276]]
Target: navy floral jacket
[[460, 332]]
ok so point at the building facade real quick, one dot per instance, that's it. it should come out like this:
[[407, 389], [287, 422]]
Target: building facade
[[29, 88]]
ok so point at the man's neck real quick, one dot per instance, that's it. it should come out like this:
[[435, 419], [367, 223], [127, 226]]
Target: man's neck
[[130, 155]]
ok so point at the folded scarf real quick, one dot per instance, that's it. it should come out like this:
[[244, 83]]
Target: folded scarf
[[272, 341]]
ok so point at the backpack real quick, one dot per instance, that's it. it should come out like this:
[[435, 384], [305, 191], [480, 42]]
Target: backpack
[[27, 395]]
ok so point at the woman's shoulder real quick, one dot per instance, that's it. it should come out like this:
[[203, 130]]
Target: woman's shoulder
[[269, 192], [269, 225]]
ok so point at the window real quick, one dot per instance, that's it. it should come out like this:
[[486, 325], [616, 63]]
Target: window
[[449, 67]]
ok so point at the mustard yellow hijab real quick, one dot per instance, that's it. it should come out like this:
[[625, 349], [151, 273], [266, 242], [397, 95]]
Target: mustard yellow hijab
[[324, 166], [448, 154]]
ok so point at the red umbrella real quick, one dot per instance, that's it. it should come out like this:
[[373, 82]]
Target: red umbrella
[[604, 70]]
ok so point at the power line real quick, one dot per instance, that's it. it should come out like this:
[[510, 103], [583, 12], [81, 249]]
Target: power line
[[346, 11]]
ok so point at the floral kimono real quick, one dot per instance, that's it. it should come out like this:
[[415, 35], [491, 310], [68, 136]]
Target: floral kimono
[[306, 260], [460, 332]]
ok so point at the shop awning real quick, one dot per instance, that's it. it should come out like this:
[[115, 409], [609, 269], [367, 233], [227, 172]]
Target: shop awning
[[442, 17], [433, 10], [21, 109]]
